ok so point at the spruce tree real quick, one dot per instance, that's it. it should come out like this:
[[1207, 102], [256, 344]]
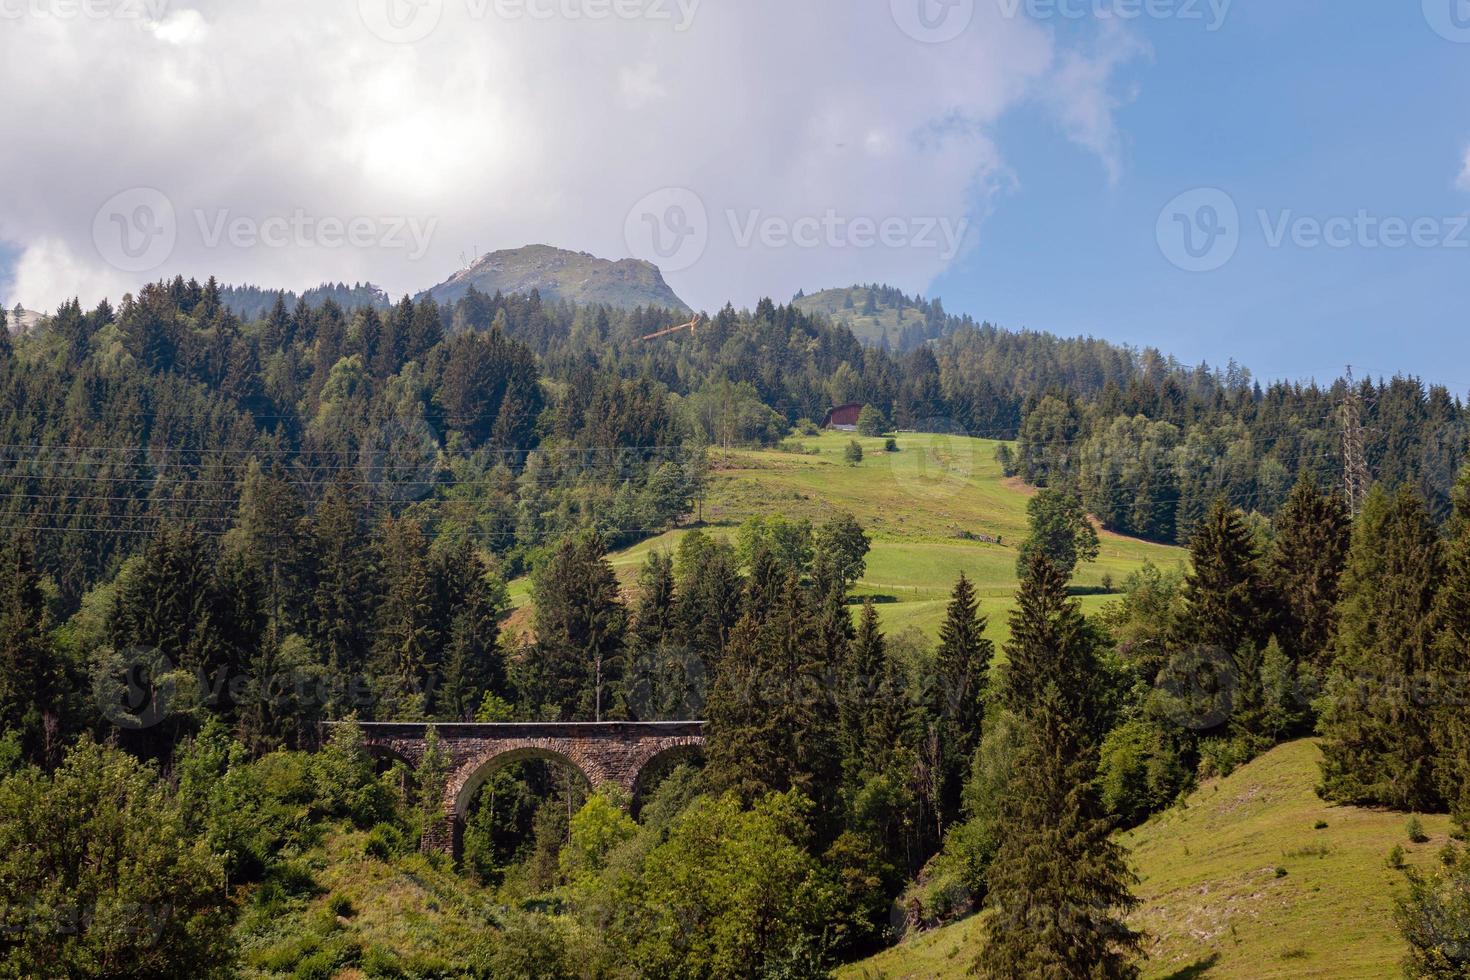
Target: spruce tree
[[1225, 591], [30, 672], [407, 642], [339, 611], [1313, 533], [579, 623], [1059, 886], [472, 603], [962, 669], [1452, 649], [1377, 734], [772, 725]]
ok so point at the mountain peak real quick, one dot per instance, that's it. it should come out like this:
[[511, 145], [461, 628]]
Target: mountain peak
[[560, 274]]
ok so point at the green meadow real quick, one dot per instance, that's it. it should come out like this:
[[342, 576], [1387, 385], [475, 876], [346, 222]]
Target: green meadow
[[1252, 877], [938, 507]]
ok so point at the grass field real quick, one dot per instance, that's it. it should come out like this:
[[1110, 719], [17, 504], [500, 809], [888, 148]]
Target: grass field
[[1240, 883], [915, 504]]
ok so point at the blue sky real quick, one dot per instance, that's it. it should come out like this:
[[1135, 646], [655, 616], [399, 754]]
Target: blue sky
[[1305, 107], [1064, 142]]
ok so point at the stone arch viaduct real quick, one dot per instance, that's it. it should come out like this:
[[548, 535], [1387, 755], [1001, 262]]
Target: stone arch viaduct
[[606, 753]]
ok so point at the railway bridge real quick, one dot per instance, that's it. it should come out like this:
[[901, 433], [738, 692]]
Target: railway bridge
[[615, 753]]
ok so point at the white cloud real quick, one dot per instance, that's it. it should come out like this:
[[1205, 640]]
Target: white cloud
[[511, 131]]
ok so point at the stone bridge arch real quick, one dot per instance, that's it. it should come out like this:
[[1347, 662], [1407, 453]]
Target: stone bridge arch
[[605, 753]]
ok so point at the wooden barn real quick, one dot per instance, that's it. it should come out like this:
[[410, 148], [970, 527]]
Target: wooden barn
[[844, 418]]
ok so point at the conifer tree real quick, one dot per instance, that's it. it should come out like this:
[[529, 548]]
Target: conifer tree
[[1377, 734], [406, 644], [341, 602], [472, 603], [1452, 648], [962, 669], [771, 725], [708, 596], [1226, 595], [861, 692], [1313, 532], [1059, 886], [30, 672], [580, 624]]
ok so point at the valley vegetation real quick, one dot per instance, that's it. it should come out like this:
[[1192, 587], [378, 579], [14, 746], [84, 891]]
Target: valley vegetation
[[221, 532]]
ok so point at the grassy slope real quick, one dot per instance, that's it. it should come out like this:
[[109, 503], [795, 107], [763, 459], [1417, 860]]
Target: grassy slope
[[1214, 905], [870, 329], [913, 504]]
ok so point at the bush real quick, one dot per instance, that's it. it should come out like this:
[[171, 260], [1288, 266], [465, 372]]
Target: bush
[[1139, 771], [1416, 832], [341, 906], [890, 445], [1396, 857], [1434, 919], [383, 842], [871, 422], [853, 453]]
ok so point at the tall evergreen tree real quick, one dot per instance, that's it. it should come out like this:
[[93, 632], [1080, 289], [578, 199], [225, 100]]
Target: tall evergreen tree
[[772, 722], [341, 603], [30, 672], [1225, 591], [1452, 648], [1313, 533], [1377, 734], [1059, 884], [962, 670], [471, 603], [407, 642], [579, 623]]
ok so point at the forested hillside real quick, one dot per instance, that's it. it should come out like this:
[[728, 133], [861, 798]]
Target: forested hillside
[[221, 532]]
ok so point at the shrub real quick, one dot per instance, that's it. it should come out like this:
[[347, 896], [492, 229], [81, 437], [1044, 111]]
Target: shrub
[[1416, 831], [1434, 919], [890, 445], [1396, 857], [383, 841], [341, 906], [853, 453], [871, 422]]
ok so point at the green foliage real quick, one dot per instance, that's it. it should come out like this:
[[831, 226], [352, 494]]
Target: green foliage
[[871, 422], [1059, 886], [99, 875], [1377, 743], [600, 826], [1435, 921], [1140, 771], [343, 777], [1060, 530], [580, 623], [730, 892], [853, 454]]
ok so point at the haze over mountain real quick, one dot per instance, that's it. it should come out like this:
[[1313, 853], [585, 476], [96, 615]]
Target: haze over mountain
[[559, 274]]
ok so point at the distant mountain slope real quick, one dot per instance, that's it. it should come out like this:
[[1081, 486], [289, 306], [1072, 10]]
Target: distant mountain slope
[[1252, 876], [878, 314], [561, 275]]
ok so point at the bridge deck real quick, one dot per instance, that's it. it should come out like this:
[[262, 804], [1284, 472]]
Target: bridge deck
[[530, 729]]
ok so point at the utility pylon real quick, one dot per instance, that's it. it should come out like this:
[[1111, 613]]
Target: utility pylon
[[1355, 478]]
